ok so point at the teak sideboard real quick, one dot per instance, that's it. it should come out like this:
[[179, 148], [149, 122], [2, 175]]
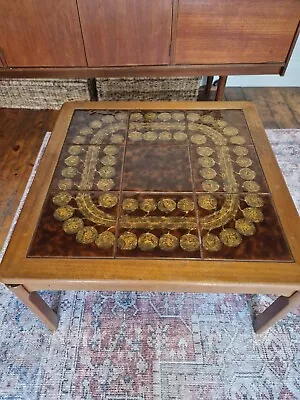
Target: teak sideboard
[[118, 38]]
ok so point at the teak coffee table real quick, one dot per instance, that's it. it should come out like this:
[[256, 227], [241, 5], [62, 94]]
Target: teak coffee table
[[160, 197]]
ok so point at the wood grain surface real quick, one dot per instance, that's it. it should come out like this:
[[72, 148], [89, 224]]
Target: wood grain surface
[[126, 32], [235, 31], [41, 33]]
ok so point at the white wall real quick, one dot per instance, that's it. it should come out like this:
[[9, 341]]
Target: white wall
[[291, 78]]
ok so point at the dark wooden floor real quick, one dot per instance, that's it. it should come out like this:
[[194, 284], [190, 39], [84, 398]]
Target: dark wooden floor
[[22, 132]]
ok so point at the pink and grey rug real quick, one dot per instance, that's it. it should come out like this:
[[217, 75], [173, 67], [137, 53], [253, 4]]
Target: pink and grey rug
[[154, 346]]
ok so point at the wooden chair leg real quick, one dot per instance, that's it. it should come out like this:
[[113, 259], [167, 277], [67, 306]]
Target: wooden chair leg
[[37, 305], [221, 88], [275, 312]]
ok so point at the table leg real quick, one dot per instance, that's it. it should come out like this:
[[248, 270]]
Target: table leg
[[37, 305], [275, 312], [221, 88]]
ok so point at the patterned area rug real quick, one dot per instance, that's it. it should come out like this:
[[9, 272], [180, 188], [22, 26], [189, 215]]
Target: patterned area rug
[[153, 346]]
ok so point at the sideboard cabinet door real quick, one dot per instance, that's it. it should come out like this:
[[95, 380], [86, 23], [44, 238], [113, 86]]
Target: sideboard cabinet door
[[126, 32], [235, 31], [36, 33]]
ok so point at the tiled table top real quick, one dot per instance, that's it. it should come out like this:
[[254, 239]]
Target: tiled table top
[[159, 184]]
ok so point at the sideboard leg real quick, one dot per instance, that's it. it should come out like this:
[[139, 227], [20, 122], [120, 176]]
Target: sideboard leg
[[37, 305], [208, 85], [221, 88], [275, 312]]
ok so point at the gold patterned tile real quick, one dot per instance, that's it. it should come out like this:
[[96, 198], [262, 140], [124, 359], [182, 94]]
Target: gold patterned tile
[[230, 169], [241, 227], [95, 127], [158, 226], [76, 224], [89, 168]]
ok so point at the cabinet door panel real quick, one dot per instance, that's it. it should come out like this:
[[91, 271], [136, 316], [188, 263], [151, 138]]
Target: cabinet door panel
[[41, 33], [124, 32], [235, 31]]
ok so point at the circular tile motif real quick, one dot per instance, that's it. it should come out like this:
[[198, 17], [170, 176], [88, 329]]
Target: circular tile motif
[[180, 136], [135, 136], [243, 161], [208, 173], [86, 131], [73, 225], [205, 151], [69, 172], [230, 131], [189, 242], [109, 160], [253, 214], [206, 162], [210, 186], [108, 119], [130, 205], [186, 204], [105, 184], [117, 138], [220, 124], [166, 205], [164, 116], [95, 124], [207, 202], [250, 186], [178, 116], [79, 140], [168, 242], [150, 117], [193, 117], [86, 235], [148, 205], [254, 200], [211, 242], [136, 117], [61, 199], [147, 241], [150, 136], [75, 150], [111, 150], [63, 213], [121, 116], [107, 172], [245, 227], [247, 174], [237, 139], [105, 240], [230, 237], [72, 161], [165, 136], [107, 200], [65, 184], [127, 241], [207, 119], [198, 139], [240, 150]]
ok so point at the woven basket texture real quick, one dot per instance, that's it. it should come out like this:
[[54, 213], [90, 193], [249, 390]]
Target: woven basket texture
[[41, 93]]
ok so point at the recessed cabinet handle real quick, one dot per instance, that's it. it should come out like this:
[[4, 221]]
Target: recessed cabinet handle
[[3, 62]]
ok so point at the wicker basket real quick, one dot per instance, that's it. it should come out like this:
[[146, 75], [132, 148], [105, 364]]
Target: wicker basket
[[41, 93], [148, 88]]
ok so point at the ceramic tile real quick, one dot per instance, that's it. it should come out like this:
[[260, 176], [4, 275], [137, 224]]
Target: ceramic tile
[[241, 227], [89, 168], [230, 169], [159, 169], [97, 126], [76, 224], [158, 226], [152, 127]]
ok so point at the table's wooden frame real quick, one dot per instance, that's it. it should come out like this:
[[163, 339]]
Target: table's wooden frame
[[24, 275]]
